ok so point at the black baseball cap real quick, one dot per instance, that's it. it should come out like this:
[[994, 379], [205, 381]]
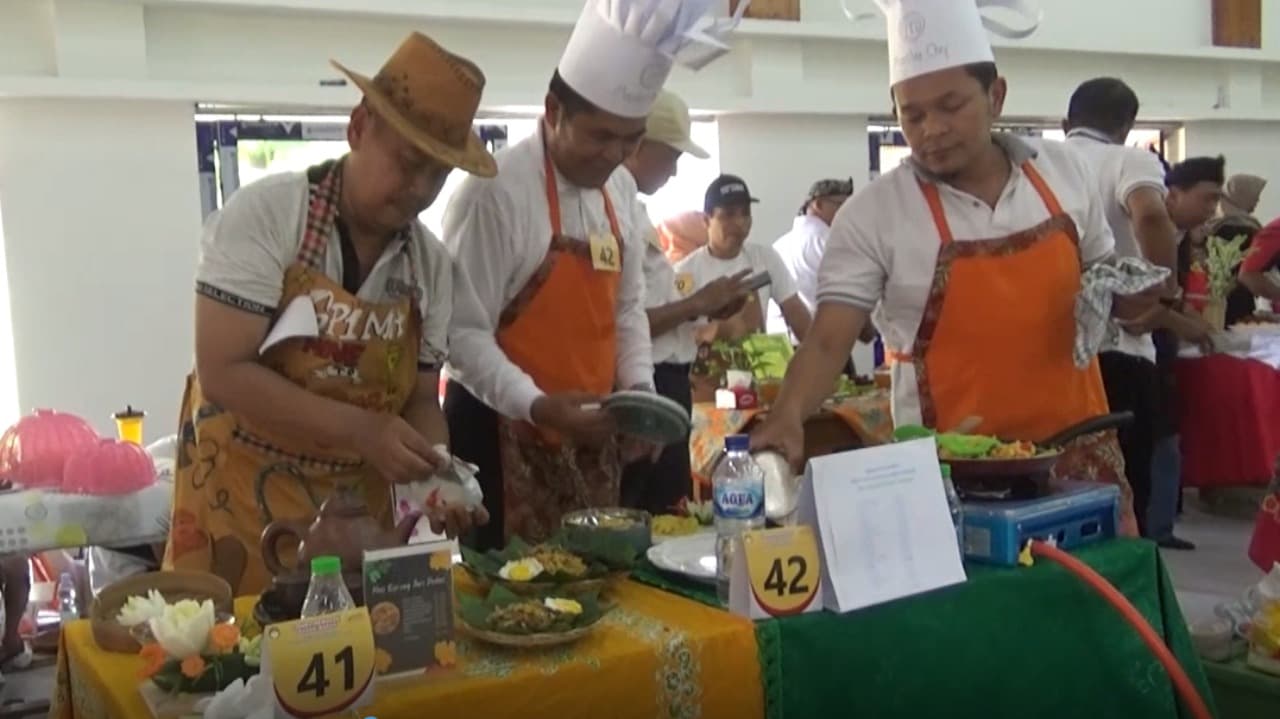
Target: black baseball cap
[[726, 190]]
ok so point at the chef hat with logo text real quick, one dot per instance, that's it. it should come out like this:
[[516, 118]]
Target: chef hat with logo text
[[930, 35], [621, 51]]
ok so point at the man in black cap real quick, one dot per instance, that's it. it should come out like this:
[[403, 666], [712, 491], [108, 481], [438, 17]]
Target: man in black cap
[[727, 205]]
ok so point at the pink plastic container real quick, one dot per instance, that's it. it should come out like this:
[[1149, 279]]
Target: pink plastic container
[[35, 450], [109, 467]]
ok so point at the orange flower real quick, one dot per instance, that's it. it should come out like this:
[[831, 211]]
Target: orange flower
[[153, 658], [224, 637], [446, 653], [193, 666]]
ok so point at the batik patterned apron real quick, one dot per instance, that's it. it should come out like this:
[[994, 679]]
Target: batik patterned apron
[[996, 339], [232, 478]]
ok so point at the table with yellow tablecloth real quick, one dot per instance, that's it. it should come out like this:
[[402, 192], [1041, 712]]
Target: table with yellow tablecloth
[[655, 655]]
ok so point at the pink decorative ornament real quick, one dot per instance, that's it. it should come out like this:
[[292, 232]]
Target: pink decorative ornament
[[109, 467], [35, 450]]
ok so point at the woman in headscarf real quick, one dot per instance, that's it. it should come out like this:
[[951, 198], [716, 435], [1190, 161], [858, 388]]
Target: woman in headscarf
[[1235, 218]]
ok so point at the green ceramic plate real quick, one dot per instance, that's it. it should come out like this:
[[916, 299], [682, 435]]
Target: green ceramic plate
[[648, 416]]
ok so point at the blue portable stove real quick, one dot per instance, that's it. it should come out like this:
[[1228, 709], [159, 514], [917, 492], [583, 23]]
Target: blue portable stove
[[1074, 514]]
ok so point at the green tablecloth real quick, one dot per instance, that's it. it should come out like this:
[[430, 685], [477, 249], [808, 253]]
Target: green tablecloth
[[1241, 692], [1026, 642]]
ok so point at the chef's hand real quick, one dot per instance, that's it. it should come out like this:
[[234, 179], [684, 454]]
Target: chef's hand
[[1146, 322], [455, 520], [1192, 329], [1137, 308], [723, 297], [782, 434], [395, 449], [564, 413]]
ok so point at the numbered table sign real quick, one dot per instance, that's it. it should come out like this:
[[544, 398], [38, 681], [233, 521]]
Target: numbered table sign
[[321, 665], [776, 573]]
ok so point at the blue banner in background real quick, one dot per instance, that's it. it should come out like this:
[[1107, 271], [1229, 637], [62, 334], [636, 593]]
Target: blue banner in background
[[206, 168]]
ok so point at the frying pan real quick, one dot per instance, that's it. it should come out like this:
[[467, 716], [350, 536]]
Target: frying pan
[[989, 478]]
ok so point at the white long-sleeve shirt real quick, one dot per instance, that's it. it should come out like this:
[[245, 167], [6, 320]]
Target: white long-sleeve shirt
[[498, 231]]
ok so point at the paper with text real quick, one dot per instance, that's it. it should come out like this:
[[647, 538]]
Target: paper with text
[[883, 524]]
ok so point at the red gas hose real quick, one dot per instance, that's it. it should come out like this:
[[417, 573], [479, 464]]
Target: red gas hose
[[1181, 682]]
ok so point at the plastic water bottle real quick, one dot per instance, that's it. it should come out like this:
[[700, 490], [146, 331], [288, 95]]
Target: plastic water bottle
[[957, 508], [738, 490], [68, 602], [327, 593]]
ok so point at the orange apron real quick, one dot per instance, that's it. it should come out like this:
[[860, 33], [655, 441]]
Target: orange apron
[[561, 329], [996, 340], [232, 478]]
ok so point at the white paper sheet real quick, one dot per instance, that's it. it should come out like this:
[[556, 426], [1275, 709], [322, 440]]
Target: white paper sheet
[[882, 519], [297, 320]]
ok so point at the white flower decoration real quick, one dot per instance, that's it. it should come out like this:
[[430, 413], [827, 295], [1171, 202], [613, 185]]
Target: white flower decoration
[[183, 630], [140, 610]]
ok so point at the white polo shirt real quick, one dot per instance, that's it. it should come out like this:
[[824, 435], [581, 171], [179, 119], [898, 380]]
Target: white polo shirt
[[676, 346], [1118, 171], [884, 245], [700, 268], [499, 231], [248, 245]]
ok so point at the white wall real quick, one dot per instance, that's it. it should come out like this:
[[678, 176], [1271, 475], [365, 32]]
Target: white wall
[[816, 147], [1248, 147], [101, 221]]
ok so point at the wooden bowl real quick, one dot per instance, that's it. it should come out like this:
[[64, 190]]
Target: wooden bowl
[[173, 586]]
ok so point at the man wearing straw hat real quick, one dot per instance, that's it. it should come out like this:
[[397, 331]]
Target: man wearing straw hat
[[554, 255], [322, 313], [972, 254]]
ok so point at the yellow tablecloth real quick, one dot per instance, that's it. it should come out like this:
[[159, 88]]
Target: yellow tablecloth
[[655, 655]]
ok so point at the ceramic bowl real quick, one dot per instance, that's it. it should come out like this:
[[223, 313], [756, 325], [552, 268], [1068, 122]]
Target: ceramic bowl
[[631, 525]]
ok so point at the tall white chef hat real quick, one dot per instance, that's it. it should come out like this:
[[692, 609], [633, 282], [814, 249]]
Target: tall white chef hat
[[930, 35], [621, 51]]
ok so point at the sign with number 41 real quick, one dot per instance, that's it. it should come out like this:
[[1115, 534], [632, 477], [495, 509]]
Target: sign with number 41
[[321, 665], [776, 573]]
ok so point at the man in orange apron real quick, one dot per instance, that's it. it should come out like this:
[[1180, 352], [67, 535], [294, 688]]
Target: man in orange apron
[[971, 254], [553, 254], [352, 295]]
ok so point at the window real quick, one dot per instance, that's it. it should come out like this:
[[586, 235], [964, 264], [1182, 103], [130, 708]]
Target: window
[[257, 158]]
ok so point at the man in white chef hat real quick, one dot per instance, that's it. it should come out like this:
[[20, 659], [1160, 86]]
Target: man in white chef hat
[[972, 253], [557, 317]]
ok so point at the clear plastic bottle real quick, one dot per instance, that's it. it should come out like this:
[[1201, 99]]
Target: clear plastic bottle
[[738, 491], [328, 592], [68, 602], [957, 508]]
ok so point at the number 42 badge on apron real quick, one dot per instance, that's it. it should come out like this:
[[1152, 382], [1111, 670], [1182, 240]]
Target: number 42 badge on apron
[[605, 253]]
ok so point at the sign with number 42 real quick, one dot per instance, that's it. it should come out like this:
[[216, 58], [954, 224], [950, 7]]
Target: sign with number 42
[[321, 665], [776, 573]]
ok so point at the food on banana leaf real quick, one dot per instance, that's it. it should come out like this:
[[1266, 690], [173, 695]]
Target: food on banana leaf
[[560, 559], [508, 613]]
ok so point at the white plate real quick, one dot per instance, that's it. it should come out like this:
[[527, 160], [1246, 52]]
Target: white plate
[[693, 556]]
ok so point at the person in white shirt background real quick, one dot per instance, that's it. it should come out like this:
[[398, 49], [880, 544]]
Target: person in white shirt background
[[727, 205], [554, 258], [801, 249], [1130, 181], [672, 307]]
